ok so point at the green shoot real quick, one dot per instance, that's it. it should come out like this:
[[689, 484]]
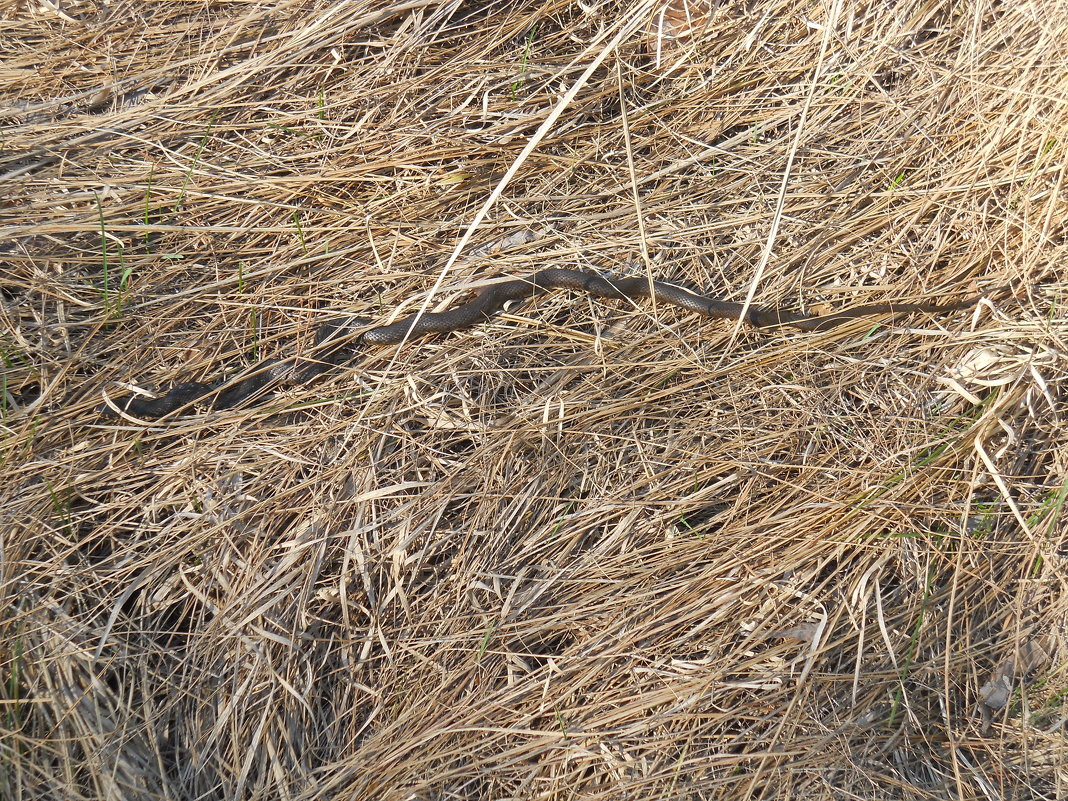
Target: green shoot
[[910, 655], [518, 83], [196, 161], [300, 232], [486, 640]]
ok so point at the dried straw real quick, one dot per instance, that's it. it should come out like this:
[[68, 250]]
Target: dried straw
[[587, 550]]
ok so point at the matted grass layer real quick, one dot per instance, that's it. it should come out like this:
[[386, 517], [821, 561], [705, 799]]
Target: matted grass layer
[[588, 550]]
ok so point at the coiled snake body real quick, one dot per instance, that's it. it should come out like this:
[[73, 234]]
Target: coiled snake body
[[334, 345]]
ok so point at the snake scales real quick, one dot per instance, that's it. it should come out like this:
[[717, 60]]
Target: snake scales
[[334, 344]]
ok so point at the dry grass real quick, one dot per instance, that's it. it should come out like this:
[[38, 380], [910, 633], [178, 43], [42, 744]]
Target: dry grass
[[585, 551]]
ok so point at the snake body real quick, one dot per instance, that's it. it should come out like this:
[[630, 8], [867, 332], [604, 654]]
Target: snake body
[[335, 345]]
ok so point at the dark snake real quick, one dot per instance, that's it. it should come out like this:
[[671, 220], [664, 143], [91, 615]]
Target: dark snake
[[335, 345]]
